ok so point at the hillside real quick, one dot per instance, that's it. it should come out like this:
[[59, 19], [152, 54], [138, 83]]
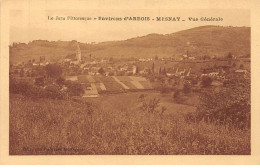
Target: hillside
[[110, 126], [205, 40]]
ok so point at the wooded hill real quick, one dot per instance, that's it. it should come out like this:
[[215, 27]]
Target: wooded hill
[[199, 41]]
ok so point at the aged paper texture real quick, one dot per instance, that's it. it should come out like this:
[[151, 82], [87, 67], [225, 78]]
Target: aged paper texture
[[129, 82]]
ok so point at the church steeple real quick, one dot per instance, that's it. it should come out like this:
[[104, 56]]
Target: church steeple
[[78, 53]]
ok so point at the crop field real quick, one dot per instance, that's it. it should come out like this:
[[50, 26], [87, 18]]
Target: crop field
[[114, 83], [103, 79], [113, 86], [124, 78], [129, 84], [90, 78], [102, 86], [98, 87], [137, 84], [82, 79], [146, 84]]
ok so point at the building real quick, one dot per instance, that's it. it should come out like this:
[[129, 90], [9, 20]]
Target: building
[[134, 69], [78, 53], [74, 58]]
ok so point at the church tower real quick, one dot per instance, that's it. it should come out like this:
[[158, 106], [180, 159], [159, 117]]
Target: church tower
[[78, 53]]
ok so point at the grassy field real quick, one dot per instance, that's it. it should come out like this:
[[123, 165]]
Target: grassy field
[[115, 124]]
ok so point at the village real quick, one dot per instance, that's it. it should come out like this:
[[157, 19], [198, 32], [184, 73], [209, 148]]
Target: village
[[98, 76]]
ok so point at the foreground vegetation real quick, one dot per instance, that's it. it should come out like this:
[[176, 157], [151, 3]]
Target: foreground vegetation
[[133, 123]]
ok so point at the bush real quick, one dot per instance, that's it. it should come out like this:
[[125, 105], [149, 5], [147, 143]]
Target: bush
[[164, 89], [60, 81], [32, 91], [53, 70], [39, 81], [206, 81], [178, 96], [18, 87], [186, 88], [231, 105], [151, 105], [101, 71], [74, 88]]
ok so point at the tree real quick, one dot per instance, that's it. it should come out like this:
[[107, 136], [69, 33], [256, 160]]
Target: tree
[[60, 81], [178, 96], [156, 58], [22, 73], [229, 56], [153, 68], [40, 71], [229, 62], [111, 59], [164, 71], [18, 87], [204, 71], [186, 88], [53, 70], [28, 74], [74, 88], [215, 66], [206, 81], [206, 57], [39, 81], [137, 70], [150, 105], [111, 73], [15, 71], [230, 105], [194, 81], [241, 66], [101, 71]]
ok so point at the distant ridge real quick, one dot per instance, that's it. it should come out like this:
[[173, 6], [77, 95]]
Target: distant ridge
[[199, 41]]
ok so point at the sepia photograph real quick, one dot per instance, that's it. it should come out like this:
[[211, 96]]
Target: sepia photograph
[[130, 82]]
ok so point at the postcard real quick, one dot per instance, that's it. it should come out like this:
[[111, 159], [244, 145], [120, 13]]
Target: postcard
[[129, 82]]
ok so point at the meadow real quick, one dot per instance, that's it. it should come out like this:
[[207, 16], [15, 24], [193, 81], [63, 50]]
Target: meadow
[[117, 124]]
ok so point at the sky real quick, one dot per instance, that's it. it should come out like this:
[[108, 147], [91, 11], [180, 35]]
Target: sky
[[29, 25]]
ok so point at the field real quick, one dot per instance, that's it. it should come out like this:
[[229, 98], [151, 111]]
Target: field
[[116, 124], [113, 84]]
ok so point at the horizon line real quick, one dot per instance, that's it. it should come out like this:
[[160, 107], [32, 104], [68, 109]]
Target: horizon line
[[93, 43]]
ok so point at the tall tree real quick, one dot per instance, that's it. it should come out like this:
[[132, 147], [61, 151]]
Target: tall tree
[[53, 70], [22, 73], [164, 71], [229, 55], [153, 68], [101, 71], [156, 57]]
